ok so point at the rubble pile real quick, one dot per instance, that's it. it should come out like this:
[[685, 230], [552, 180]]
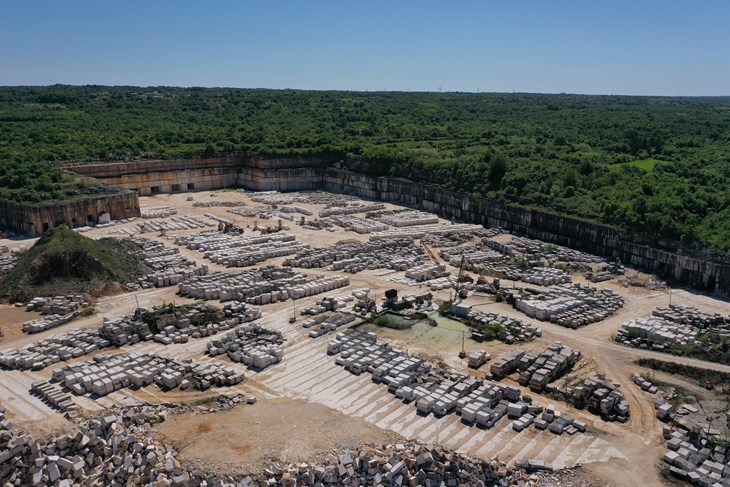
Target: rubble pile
[[514, 330], [401, 464], [349, 209], [538, 369], [105, 374], [357, 224], [403, 217], [601, 397], [675, 325], [421, 231], [252, 345], [168, 265], [5, 423], [692, 458], [355, 257], [266, 285], [235, 250], [571, 306], [113, 449]]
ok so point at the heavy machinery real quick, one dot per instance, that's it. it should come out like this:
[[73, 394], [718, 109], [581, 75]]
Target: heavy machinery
[[460, 293]]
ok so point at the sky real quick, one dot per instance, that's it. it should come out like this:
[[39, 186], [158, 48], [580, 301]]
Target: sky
[[621, 47]]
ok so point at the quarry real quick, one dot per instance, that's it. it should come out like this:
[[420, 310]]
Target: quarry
[[255, 349]]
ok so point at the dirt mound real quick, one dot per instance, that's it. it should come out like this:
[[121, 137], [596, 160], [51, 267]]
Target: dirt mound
[[63, 261]]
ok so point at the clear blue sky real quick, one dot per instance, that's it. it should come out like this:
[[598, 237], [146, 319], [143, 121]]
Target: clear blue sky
[[647, 47]]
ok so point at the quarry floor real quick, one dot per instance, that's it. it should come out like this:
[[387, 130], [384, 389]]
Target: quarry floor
[[308, 406]]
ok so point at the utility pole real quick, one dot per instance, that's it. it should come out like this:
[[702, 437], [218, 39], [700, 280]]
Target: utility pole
[[462, 354], [670, 296], [136, 300]]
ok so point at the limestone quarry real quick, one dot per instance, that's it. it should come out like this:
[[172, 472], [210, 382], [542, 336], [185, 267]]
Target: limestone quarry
[[315, 338]]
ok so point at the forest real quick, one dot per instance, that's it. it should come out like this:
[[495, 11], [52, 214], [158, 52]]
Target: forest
[[658, 165]]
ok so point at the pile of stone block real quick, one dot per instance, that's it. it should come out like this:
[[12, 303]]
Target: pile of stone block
[[476, 255], [156, 211], [7, 263], [59, 305], [452, 239], [350, 209], [267, 285], [426, 272], [421, 231], [168, 265], [602, 397], [428, 388], [537, 249], [644, 384], [538, 369], [174, 223], [355, 257], [296, 209], [253, 345], [46, 323], [179, 326], [675, 325], [218, 204], [263, 212], [516, 330], [237, 250], [54, 349], [328, 303], [105, 374], [56, 398], [540, 276], [571, 306], [692, 458], [357, 224], [506, 364], [477, 358], [403, 217], [327, 323]]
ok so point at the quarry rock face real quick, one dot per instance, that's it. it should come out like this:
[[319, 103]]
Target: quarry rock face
[[706, 270]]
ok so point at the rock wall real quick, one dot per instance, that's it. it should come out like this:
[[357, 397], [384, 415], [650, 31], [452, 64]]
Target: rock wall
[[35, 219], [702, 270]]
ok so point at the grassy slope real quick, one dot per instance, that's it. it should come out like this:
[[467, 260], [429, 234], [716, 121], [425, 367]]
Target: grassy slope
[[63, 261]]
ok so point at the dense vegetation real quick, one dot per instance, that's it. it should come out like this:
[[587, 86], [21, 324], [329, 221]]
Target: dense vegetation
[[660, 165], [63, 261]]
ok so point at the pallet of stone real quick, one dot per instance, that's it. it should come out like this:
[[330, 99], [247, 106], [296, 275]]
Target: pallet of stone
[[57, 304], [55, 397]]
